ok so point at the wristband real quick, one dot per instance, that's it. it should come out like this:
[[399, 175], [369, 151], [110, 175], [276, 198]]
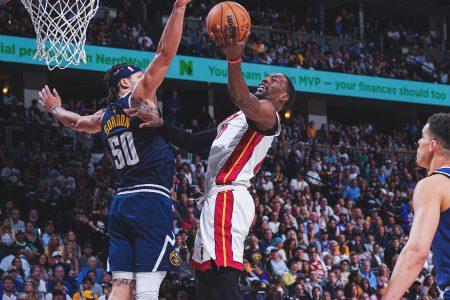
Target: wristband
[[54, 107], [236, 61]]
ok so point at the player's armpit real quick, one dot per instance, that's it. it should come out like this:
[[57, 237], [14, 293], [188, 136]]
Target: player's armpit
[[262, 113]]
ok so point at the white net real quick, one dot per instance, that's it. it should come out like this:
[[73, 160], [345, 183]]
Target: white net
[[60, 27]]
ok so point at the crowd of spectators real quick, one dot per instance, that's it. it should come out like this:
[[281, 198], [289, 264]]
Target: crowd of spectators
[[330, 220], [288, 48]]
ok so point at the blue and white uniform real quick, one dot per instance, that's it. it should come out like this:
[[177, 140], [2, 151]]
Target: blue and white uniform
[[141, 213]]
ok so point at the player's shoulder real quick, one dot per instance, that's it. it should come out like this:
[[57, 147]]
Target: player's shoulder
[[435, 182]]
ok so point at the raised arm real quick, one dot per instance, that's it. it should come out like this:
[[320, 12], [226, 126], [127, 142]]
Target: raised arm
[[167, 48], [262, 113], [52, 103], [187, 141]]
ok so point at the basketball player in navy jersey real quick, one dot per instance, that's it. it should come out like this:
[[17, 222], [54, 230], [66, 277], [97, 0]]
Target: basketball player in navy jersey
[[431, 225], [141, 212]]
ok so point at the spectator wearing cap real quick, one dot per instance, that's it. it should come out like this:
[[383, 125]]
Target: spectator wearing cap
[[388, 168], [18, 281], [278, 265], [16, 222], [8, 288], [277, 243], [92, 266], [266, 182]]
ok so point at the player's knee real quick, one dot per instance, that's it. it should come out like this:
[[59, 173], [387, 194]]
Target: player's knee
[[147, 285]]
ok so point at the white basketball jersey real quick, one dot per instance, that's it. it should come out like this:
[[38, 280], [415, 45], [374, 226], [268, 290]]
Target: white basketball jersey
[[237, 152]]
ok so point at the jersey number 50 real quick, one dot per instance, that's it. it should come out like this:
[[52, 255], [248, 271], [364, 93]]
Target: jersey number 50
[[123, 150]]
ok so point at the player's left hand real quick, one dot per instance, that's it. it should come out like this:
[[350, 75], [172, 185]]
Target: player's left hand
[[150, 119], [179, 3], [48, 98], [228, 41]]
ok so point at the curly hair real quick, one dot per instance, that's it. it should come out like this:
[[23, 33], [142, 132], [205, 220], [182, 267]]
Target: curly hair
[[113, 89]]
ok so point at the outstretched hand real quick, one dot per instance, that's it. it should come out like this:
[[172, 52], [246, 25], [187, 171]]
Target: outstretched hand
[[49, 99], [149, 118], [228, 41]]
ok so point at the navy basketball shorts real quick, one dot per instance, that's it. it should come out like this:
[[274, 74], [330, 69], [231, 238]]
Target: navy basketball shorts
[[141, 233]]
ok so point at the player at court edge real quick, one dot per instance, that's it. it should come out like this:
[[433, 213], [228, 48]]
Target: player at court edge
[[237, 149], [431, 224], [141, 212]]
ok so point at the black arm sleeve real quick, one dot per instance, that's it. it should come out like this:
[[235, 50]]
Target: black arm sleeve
[[190, 142]]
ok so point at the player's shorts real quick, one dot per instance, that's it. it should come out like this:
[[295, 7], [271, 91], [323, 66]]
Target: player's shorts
[[141, 230], [225, 220]]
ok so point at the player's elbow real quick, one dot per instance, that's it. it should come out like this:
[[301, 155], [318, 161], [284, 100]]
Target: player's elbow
[[417, 252], [163, 50]]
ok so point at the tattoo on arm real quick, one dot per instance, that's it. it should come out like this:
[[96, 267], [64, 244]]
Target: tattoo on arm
[[118, 282], [144, 105]]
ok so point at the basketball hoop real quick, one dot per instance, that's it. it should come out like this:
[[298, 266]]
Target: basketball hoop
[[61, 27]]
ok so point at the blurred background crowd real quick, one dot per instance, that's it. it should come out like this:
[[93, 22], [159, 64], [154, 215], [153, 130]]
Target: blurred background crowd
[[392, 47]]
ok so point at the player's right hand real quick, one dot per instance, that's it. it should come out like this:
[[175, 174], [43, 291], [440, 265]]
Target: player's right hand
[[150, 119], [48, 98]]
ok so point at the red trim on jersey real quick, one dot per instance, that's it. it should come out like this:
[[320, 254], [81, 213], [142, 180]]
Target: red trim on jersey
[[228, 255], [207, 265], [256, 169], [218, 212], [200, 266], [239, 157], [223, 213]]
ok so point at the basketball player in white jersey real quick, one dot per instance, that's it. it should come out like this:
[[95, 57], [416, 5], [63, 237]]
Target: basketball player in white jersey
[[238, 148]]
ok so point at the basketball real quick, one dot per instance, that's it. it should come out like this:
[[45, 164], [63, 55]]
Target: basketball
[[230, 13]]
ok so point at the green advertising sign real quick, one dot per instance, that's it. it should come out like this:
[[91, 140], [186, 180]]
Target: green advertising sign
[[21, 50]]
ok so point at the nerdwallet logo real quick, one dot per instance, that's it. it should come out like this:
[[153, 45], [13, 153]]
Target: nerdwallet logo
[[186, 67]]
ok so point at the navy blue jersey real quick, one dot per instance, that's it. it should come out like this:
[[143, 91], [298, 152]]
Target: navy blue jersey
[[441, 243], [139, 155]]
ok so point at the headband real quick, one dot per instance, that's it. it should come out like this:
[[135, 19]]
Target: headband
[[124, 72]]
